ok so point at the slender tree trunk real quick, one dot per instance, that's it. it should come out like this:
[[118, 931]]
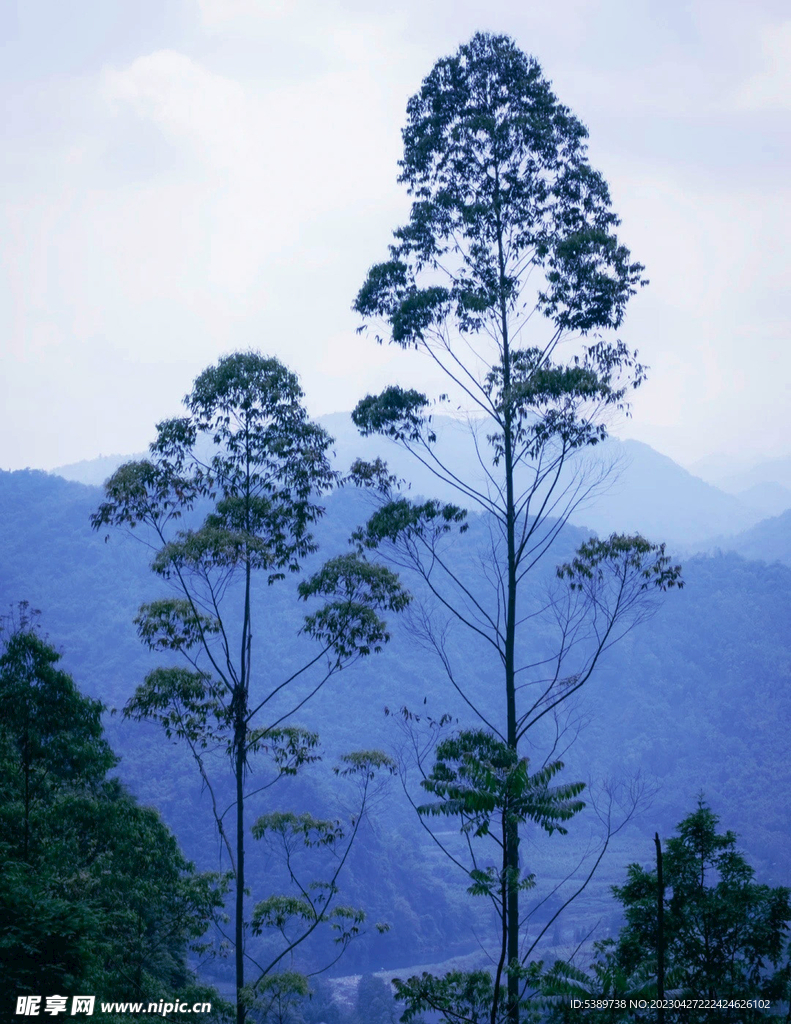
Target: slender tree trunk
[[240, 732], [239, 932], [512, 831], [660, 931], [504, 937], [512, 828]]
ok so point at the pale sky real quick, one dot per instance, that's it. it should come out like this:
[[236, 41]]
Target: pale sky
[[182, 178]]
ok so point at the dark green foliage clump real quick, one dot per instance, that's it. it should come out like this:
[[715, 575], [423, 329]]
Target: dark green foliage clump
[[724, 936], [96, 895]]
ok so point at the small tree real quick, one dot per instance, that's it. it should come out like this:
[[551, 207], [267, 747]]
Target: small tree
[[507, 277], [481, 780], [96, 894], [51, 734], [374, 1002], [251, 467], [725, 935]]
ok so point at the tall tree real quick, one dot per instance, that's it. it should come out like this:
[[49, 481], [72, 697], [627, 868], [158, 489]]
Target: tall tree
[[249, 468], [509, 278]]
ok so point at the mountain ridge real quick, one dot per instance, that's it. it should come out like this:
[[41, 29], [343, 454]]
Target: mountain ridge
[[649, 492]]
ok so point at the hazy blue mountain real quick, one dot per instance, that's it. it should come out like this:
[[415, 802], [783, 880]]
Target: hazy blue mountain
[[50, 557], [643, 490], [737, 479], [715, 467], [768, 498], [698, 698], [769, 541], [772, 471], [94, 471], [653, 495]]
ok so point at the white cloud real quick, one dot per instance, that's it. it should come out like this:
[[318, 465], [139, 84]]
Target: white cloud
[[275, 161], [185, 100], [232, 189]]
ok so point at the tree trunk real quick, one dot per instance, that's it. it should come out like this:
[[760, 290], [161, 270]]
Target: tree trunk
[[240, 733], [512, 828], [660, 931], [239, 931]]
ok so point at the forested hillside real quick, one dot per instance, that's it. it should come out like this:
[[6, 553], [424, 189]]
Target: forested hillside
[[697, 699], [769, 541]]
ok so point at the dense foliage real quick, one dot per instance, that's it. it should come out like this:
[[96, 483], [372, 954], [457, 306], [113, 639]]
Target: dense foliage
[[96, 895], [722, 936]]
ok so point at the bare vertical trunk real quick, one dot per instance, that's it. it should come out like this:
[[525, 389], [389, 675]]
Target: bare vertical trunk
[[660, 931], [240, 738], [239, 930], [511, 831], [504, 938]]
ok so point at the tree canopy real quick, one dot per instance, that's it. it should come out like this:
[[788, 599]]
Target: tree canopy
[[96, 894], [726, 935]]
